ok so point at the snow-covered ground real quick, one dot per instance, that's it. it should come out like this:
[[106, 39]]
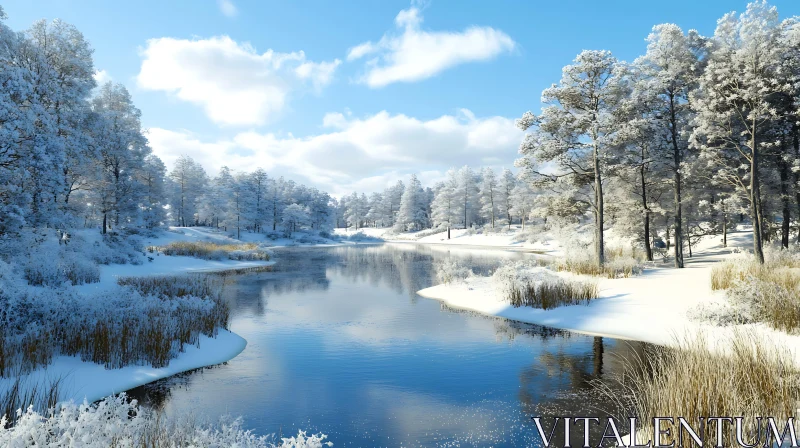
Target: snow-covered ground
[[513, 238], [299, 238], [89, 381], [651, 307], [86, 380]]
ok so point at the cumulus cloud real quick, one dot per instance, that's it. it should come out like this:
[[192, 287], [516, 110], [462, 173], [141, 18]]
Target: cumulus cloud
[[411, 54], [235, 84], [227, 7], [101, 77], [364, 154]]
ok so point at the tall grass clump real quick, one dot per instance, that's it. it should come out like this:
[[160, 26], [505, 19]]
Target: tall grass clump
[[19, 394], [450, 271], [620, 262], [768, 293], [214, 251], [525, 285], [117, 422], [750, 378], [143, 321]]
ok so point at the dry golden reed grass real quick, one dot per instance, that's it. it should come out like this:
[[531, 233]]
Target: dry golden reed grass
[[550, 294], [620, 262], [771, 291], [21, 396], [213, 251], [752, 378], [150, 334]]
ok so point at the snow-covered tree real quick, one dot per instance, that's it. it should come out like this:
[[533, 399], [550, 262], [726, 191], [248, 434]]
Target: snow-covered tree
[[668, 75], [467, 196], [488, 195], [736, 103], [151, 177], [412, 213], [443, 207], [575, 130], [391, 201], [122, 150], [189, 180], [505, 187], [523, 200], [294, 217]]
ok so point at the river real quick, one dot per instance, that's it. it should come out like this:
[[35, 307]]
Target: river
[[339, 343]]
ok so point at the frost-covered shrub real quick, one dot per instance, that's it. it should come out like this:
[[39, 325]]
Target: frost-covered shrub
[[450, 271], [360, 237], [721, 314], [767, 293], [54, 264], [117, 422]]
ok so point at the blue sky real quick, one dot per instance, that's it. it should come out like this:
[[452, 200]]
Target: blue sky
[[225, 81]]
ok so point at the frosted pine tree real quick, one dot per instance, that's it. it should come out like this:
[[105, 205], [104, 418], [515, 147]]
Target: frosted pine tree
[[443, 206], [735, 104], [575, 131], [412, 212], [488, 195], [505, 187], [467, 196]]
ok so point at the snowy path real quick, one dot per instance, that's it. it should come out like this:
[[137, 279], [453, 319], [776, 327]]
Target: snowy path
[[651, 307]]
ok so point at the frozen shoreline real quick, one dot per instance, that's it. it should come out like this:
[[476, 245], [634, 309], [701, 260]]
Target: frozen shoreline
[[82, 380], [88, 381], [651, 307]]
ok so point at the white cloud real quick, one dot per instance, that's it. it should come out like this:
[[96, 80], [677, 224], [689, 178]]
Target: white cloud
[[415, 54], [364, 154], [227, 7], [234, 83], [319, 73], [101, 77]]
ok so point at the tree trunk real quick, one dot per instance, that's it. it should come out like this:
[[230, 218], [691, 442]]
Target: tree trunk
[[787, 216], [724, 225], [598, 192], [648, 250], [676, 160], [105, 220], [448, 231], [491, 200], [797, 180], [755, 195], [465, 207]]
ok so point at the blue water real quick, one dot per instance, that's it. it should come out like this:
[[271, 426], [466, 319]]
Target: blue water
[[339, 343]]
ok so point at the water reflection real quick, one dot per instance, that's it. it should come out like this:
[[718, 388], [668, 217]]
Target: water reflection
[[339, 342]]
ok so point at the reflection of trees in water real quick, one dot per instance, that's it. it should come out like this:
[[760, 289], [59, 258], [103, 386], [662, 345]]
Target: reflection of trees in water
[[573, 375], [402, 268], [156, 394], [560, 381], [405, 268]]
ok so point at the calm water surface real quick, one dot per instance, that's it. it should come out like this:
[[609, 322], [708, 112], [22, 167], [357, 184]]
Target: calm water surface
[[339, 343]]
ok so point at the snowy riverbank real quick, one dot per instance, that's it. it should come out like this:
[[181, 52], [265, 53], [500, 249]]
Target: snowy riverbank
[[514, 238], [652, 307], [83, 380], [88, 381]]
